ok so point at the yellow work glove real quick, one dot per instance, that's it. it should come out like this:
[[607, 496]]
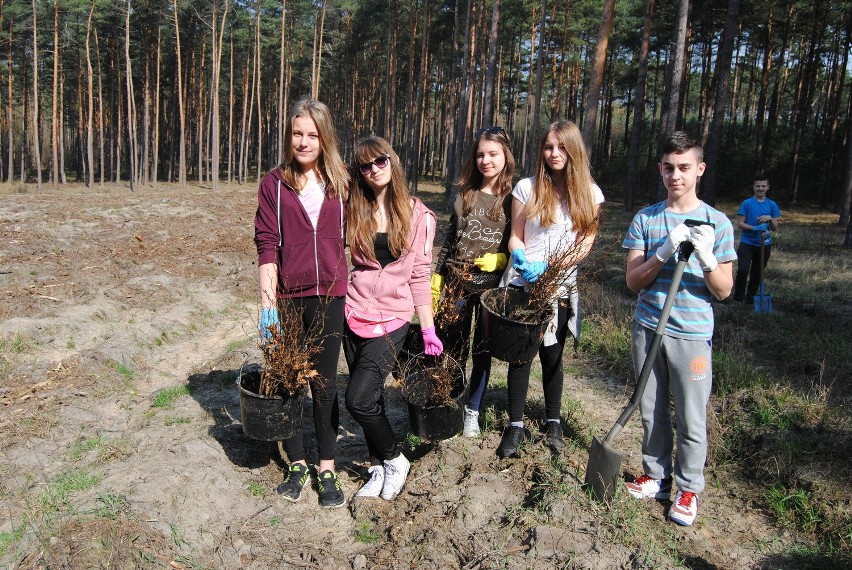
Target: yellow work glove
[[437, 283], [491, 262]]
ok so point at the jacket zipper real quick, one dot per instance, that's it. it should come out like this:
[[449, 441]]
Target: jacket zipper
[[316, 259]]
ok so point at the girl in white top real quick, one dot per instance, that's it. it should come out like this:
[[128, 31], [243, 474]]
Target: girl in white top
[[554, 211]]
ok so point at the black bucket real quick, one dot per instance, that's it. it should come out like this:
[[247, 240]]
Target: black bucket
[[267, 418], [509, 340], [430, 421]]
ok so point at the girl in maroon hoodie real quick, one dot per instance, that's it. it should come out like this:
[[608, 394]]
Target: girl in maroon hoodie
[[299, 233], [390, 241]]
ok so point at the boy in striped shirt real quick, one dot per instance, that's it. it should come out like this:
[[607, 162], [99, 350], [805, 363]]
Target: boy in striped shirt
[[683, 370]]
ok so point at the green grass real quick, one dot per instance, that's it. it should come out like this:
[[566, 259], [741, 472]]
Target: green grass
[[174, 420], [16, 343], [256, 489], [10, 538], [111, 506], [165, 398], [125, 371], [84, 445], [55, 496], [366, 534]]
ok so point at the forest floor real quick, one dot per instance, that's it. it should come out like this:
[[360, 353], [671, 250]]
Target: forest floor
[[125, 318]]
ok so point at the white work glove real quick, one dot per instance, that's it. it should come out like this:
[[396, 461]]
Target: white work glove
[[703, 237], [677, 236]]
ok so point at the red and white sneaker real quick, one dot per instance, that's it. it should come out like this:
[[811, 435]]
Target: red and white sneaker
[[643, 487], [684, 509]]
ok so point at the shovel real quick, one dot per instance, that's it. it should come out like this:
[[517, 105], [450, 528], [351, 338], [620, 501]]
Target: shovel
[[762, 301], [604, 468]]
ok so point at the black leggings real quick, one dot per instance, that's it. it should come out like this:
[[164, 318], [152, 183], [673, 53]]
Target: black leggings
[[324, 384], [551, 373], [370, 361], [458, 345]]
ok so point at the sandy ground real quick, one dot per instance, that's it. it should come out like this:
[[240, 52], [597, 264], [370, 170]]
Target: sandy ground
[[110, 297]]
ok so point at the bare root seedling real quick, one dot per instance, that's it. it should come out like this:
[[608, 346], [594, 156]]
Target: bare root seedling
[[289, 352]]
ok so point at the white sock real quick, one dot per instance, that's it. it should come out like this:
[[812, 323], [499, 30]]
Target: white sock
[[517, 424]]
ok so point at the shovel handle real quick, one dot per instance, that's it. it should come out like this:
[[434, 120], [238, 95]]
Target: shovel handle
[[686, 249]]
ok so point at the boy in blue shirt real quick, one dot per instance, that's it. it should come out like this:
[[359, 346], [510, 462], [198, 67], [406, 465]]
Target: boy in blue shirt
[[682, 370], [756, 217]]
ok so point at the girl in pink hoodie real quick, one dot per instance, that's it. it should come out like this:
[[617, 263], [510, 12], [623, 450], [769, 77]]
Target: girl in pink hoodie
[[390, 238]]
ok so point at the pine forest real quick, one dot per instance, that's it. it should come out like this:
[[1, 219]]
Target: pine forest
[[196, 90]]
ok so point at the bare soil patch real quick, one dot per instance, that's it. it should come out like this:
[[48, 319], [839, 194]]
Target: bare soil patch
[[110, 296]]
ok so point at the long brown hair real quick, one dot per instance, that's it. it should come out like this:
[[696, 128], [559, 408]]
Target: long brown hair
[[361, 225], [470, 180], [576, 178], [329, 163]]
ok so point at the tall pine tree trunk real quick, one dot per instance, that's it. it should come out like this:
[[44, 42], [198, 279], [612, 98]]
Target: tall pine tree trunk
[[36, 125], [632, 182], [54, 103], [671, 102], [491, 69], [535, 120], [217, 66], [131, 105], [599, 62], [90, 104], [724, 55], [181, 110]]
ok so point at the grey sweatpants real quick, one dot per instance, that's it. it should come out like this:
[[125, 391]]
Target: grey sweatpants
[[682, 371]]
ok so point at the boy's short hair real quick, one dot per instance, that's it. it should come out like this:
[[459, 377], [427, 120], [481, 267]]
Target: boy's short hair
[[761, 178], [680, 142]]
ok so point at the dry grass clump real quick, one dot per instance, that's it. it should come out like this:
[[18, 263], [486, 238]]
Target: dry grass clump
[[289, 352]]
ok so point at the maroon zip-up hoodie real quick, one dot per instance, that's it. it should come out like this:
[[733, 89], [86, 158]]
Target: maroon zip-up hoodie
[[310, 261]]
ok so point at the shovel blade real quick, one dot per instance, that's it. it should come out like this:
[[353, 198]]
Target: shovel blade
[[763, 303], [603, 470]]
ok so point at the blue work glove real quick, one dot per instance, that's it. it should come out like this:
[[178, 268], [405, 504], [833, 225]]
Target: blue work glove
[[268, 319], [534, 270], [760, 227], [519, 260]]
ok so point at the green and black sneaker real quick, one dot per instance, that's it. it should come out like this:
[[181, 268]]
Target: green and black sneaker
[[296, 480], [330, 493]]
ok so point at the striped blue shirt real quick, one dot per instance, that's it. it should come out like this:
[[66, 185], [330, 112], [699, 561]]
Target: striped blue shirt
[[692, 314]]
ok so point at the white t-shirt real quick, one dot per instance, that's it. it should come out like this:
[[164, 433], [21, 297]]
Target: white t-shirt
[[540, 242], [311, 197]]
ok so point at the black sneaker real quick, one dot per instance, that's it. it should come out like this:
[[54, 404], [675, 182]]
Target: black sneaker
[[330, 493], [510, 445], [296, 480], [553, 435]]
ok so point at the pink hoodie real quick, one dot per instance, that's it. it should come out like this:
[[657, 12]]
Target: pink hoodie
[[401, 285]]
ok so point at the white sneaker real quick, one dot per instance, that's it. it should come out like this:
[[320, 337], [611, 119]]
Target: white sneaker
[[373, 487], [396, 471], [684, 509], [471, 423]]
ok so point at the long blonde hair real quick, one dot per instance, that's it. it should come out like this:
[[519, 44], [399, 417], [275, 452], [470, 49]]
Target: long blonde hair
[[330, 163], [576, 178], [361, 224], [470, 180]]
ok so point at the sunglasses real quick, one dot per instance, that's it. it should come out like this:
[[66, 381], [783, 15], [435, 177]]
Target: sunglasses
[[381, 162], [489, 130]]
